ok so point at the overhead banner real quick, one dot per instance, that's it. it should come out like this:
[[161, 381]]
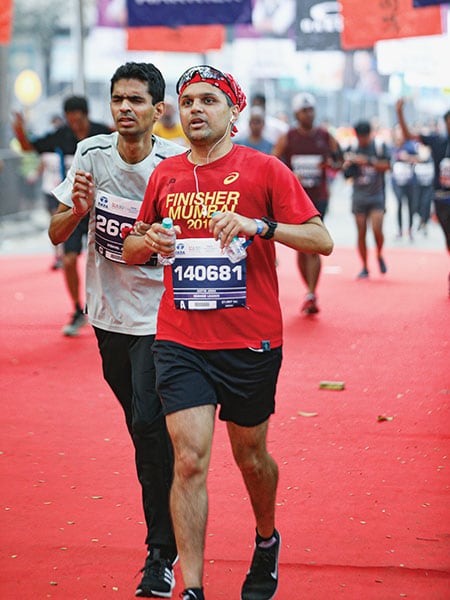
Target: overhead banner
[[385, 21], [191, 38], [6, 17], [270, 19], [188, 38], [318, 25], [420, 3], [173, 13]]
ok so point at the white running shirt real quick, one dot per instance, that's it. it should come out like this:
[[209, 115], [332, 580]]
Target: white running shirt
[[119, 297]]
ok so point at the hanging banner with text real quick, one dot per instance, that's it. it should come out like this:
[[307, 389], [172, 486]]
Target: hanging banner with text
[[385, 21], [173, 13], [6, 17], [420, 3], [318, 25], [187, 38]]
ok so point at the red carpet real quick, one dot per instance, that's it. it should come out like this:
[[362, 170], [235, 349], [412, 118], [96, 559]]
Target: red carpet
[[363, 504]]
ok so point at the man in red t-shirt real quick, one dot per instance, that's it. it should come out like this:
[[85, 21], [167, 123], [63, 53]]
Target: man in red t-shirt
[[310, 152], [219, 331]]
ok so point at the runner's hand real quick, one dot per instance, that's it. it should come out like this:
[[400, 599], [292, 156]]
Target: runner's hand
[[83, 193]]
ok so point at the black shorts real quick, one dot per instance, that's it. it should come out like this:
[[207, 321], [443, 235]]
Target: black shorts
[[243, 381], [74, 242], [367, 205]]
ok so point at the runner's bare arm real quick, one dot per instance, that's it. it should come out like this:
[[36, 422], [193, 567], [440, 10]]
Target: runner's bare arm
[[65, 220], [311, 236]]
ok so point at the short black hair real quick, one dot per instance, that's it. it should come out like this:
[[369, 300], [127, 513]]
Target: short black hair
[[259, 98], [147, 72], [76, 103], [447, 115], [363, 128]]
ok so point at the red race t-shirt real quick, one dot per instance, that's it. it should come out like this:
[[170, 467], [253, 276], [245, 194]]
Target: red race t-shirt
[[210, 303]]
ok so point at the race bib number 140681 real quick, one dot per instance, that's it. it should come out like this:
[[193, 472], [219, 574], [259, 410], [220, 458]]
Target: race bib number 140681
[[204, 279]]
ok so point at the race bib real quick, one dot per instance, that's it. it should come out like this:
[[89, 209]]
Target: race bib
[[112, 215], [367, 175], [444, 172], [203, 278], [424, 173], [307, 168], [402, 172]]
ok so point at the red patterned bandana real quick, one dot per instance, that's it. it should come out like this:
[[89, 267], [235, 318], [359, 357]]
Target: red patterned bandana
[[224, 81]]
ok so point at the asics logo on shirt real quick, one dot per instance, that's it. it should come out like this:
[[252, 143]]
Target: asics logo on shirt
[[231, 178]]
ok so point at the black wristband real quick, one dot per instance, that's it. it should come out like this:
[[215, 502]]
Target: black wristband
[[272, 225]]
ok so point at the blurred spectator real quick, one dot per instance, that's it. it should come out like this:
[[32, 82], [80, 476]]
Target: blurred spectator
[[440, 150], [64, 142], [168, 126], [424, 188], [29, 171], [366, 164], [403, 156], [273, 126], [310, 152], [255, 138], [52, 170]]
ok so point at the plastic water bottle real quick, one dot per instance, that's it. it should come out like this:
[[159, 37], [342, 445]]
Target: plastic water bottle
[[235, 251], [169, 231]]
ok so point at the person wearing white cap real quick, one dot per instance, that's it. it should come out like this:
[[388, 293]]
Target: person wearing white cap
[[302, 101], [309, 152]]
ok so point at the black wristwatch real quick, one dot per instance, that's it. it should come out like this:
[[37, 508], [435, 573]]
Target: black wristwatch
[[272, 225]]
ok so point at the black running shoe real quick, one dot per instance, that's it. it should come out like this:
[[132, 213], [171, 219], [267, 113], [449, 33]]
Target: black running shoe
[[382, 264], [158, 580], [363, 274], [190, 594], [262, 579]]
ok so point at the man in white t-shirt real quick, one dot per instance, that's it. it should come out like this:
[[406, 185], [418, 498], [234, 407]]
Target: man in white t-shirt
[[107, 181]]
